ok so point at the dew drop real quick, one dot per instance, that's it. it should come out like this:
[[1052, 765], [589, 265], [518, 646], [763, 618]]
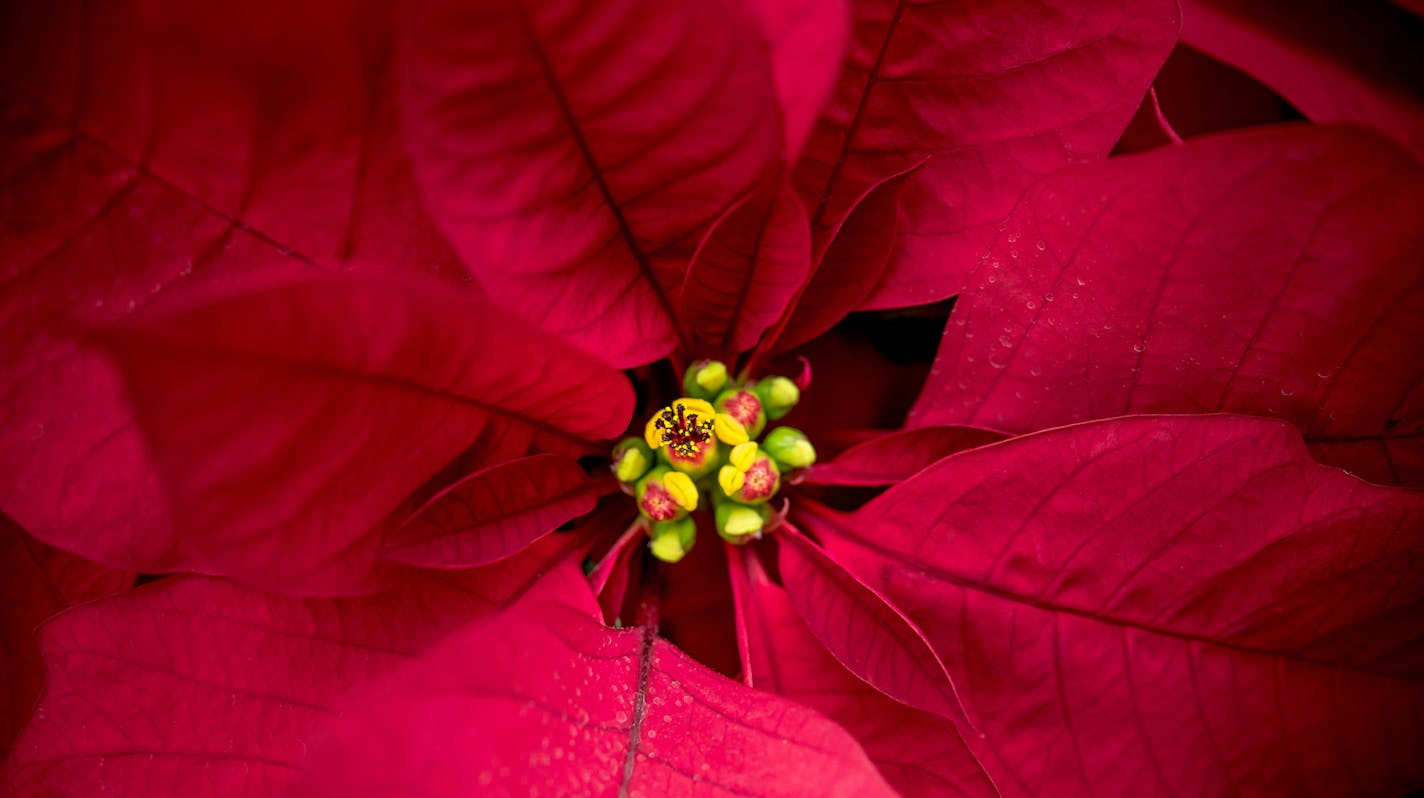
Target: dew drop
[[1034, 372], [1139, 347], [1081, 281], [1324, 374], [1047, 297], [1030, 304], [1287, 391], [1042, 245]]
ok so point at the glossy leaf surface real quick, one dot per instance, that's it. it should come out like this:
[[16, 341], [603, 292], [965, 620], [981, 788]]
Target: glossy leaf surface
[[583, 710], [1123, 288], [996, 94], [1162, 606]]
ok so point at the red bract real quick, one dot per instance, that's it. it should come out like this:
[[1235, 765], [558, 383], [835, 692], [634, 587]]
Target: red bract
[[1272, 273], [560, 704], [232, 345], [1168, 604]]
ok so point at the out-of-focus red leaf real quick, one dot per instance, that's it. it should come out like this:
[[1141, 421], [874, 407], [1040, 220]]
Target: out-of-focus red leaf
[[1164, 605], [36, 581], [563, 706], [808, 46], [493, 513], [289, 422], [996, 94], [896, 456], [869, 636], [575, 152], [148, 149], [1274, 273], [746, 272], [196, 687], [1336, 62], [920, 754], [280, 121]]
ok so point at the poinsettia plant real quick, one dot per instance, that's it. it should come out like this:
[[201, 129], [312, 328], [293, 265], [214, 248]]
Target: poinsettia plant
[[459, 398]]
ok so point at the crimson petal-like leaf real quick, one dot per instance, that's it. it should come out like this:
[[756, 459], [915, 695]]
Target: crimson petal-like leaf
[[289, 422], [747, 271], [148, 148], [1351, 62], [808, 45], [197, 687], [560, 705], [1123, 288], [36, 582], [575, 152], [920, 754], [493, 513], [997, 94], [1164, 605], [867, 634], [897, 456]]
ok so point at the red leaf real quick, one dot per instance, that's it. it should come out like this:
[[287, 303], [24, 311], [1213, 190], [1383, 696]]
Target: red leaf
[[866, 633], [997, 94], [847, 265], [289, 422], [1123, 288], [280, 120], [918, 753], [897, 456], [1164, 606], [196, 687], [808, 45], [493, 513], [747, 271], [574, 153], [145, 152], [581, 710], [36, 582], [1335, 62]]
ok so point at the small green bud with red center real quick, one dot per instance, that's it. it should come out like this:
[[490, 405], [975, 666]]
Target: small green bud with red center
[[745, 407], [778, 395], [631, 459], [670, 541], [740, 523], [790, 448], [656, 501], [704, 378], [760, 481]]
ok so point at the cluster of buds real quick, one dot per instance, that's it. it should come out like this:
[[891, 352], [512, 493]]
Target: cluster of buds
[[706, 444]]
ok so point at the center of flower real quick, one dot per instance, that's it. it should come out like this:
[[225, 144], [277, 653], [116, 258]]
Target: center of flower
[[705, 445]]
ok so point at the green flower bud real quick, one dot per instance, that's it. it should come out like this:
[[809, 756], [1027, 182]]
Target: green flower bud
[[704, 378], [631, 459], [672, 540], [745, 406], [778, 395], [739, 523], [789, 447]]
